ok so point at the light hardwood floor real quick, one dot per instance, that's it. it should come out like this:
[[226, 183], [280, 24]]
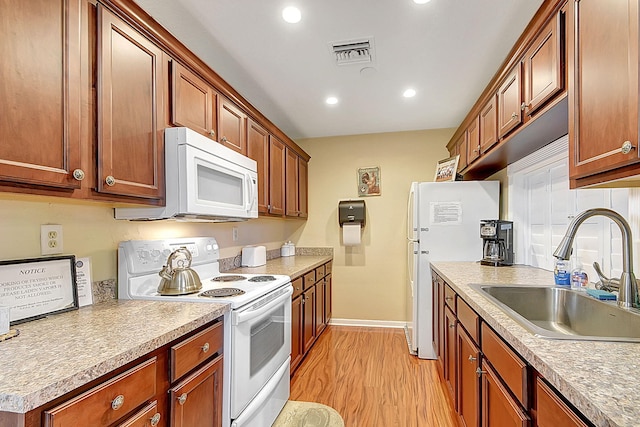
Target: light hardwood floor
[[369, 377]]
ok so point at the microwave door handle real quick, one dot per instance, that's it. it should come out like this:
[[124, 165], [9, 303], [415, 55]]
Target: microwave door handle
[[249, 189]]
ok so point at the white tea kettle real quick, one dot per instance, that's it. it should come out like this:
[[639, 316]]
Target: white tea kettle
[[181, 279]]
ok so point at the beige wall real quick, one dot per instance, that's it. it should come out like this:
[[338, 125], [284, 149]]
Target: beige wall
[[89, 230], [370, 279]]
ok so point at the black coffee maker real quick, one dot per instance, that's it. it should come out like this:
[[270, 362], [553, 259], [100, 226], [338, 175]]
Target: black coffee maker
[[497, 242]]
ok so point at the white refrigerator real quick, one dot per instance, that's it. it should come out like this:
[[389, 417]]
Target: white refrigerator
[[443, 224]]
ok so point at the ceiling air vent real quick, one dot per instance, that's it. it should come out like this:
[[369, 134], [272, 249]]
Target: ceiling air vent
[[353, 51]]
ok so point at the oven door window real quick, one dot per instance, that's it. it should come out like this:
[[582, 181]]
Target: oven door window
[[260, 345]]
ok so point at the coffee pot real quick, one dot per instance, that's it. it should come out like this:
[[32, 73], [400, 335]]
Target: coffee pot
[[497, 242], [180, 279]]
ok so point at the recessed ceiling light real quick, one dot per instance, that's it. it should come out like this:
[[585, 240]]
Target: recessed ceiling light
[[332, 100], [421, 1], [291, 14], [409, 93]]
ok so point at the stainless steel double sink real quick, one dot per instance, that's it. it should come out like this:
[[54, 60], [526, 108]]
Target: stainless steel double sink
[[559, 313]]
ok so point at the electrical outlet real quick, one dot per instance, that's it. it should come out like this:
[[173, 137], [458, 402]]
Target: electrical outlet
[[51, 239], [235, 234]]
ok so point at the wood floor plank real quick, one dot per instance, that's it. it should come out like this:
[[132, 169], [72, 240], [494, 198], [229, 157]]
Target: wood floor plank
[[369, 377]]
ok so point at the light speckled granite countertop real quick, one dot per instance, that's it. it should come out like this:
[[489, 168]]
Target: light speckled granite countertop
[[601, 379], [58, 354], [292, 266]]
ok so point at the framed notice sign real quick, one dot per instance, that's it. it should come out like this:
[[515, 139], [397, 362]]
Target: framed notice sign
[[33, 288]]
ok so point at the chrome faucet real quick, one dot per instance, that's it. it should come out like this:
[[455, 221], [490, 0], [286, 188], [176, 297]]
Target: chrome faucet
[[628, 292]]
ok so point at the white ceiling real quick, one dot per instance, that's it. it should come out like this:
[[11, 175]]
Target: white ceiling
[[447, 50]]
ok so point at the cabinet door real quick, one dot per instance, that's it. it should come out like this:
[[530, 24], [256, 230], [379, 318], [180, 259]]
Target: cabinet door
[[543, 66], [320, 292], [258, 150], [130, 102], [450, 353], [509, 102], [328, 305], [303, 210], [461, 143], [488, 125], [296, 332], [435, 321], [232, 125], [308, 322], [552, 411], [197, 401], [149, 416], [603, 89], [194, 103], [276, 176], [498, 407], [40, 92], [473, 140], [291, 176], [468, 383]]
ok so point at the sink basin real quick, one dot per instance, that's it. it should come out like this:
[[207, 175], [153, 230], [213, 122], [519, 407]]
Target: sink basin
[[552, 312]]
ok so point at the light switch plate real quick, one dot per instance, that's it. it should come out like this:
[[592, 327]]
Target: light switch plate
[[51, 239]]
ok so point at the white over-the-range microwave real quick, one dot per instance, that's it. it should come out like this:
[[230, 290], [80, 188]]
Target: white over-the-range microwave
[[205, 181]]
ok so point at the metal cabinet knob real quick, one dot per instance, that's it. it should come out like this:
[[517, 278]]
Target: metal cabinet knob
[[523, 106], [110, 181], [452, 325], [514, 116], [205, 347], [117, 402], [155, 419], [78, 174], [448, 298], [472, 359], [626, 148], [182, 398], [212, 132], [479, 372], [224, 139]]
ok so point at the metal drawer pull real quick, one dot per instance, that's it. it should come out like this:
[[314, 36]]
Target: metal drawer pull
[[514, 116], [480, 372], [627, 146], [449, 298], [452, 325], [110, 181], [78, 174], [472, 359], [182, 398], [155, 419], [117, 402], [205, 347]]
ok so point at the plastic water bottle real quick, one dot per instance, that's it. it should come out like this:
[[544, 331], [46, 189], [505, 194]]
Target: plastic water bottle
[[579, 278], [562, 273]]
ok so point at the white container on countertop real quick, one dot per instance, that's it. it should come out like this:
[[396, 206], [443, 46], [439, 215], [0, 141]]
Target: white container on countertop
[[288, 249], [254, 256]]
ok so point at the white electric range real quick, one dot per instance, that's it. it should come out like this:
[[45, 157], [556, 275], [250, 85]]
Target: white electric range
[[257, 343]]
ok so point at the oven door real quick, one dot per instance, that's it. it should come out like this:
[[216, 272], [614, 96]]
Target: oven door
[[215, 186], [260, 344]]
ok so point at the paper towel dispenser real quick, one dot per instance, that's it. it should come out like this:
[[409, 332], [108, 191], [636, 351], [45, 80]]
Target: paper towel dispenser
[[351, 211]]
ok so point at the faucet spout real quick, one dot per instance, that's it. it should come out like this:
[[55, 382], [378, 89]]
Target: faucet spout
[[628, 293]]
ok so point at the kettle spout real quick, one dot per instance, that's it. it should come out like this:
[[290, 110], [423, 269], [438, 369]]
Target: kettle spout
[[166, 271]]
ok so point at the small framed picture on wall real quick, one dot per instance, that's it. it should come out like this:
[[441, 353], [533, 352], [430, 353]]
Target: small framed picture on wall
[[446, 169], [369, 181]]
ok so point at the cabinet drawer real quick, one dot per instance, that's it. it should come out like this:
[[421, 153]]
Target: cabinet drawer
[[104, 404], [551, 410], [191, 352], [450, 297], [327, 267], [297, 287], [309, 279], [320, 272], [511, 368], [469, 319], [145, 417]]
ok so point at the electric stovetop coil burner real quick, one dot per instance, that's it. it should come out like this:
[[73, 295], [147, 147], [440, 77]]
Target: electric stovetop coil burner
[[262, 279], [222, 292], [231, 278]]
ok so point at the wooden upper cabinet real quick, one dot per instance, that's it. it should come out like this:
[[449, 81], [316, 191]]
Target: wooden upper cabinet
[[277, 155], [130, 104], [291, 178], [40, 89], [194, 102], [603, 88], [473, 140], [543, 66], [510, 102], [488, 125], [231, 125], [461, 150], [258, 150], [303, 190]]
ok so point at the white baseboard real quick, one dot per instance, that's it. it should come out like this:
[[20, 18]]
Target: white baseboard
[[368, 323]]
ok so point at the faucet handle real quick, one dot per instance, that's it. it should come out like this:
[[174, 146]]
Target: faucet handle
[[605, 283]]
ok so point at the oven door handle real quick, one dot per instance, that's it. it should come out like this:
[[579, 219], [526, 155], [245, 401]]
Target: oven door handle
[[252, 314]]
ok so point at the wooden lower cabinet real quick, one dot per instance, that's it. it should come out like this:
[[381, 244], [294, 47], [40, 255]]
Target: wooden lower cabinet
[[468, 392], [146, 417], [311, 309], [498, 407], [551, 410], [197, 400], [450, 351]]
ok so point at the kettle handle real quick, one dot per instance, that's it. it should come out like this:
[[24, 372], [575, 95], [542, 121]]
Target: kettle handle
[[167, 270]]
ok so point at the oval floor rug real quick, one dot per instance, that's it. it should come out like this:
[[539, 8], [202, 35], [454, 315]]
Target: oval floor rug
[[308, 414]]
